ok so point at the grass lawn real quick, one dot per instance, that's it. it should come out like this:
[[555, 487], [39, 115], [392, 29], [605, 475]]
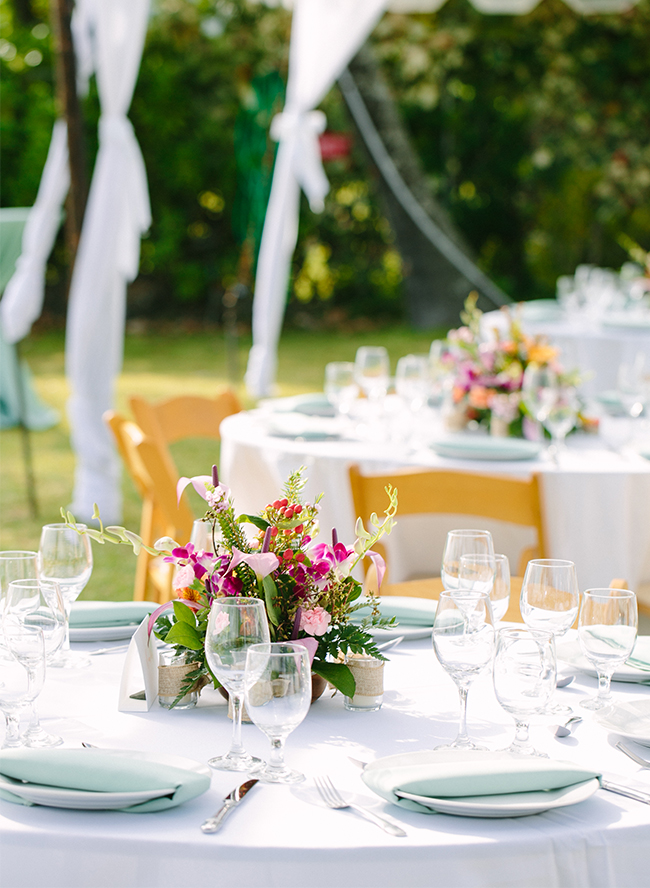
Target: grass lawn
[[155, 366]]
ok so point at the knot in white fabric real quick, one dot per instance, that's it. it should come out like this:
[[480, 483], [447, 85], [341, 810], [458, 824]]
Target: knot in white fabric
[[297, 132], [115, 128], [293, 122]]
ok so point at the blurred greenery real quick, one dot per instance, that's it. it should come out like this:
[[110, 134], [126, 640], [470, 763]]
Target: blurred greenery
[[534, 131]]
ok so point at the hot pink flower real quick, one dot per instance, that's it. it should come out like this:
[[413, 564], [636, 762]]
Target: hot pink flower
[[316, 621]]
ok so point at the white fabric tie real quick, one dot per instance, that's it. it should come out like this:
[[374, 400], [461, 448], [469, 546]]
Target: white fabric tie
[[302, 129]]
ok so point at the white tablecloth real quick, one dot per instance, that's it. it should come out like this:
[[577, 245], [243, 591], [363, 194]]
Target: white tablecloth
[[596, 502], [285, 836]]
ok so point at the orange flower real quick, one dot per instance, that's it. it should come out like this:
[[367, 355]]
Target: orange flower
[[540, 353], [457, 393], [509, 347], [190, 595], [479, 397]]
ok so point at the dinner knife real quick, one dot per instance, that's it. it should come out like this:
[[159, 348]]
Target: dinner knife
[[627, 791], [212, 824]]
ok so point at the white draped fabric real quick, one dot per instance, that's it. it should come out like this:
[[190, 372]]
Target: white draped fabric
[[117, 214], [22, 302], [325, 35]]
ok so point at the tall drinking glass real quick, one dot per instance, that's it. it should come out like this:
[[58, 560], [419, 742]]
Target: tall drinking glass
[[15, 564], [607, 629], [549, 601], [65, 557], [463, 639], [21, 677], [524, 679], [234, 625], [37, 604], [278, 696], [459, 543], [341, 386]]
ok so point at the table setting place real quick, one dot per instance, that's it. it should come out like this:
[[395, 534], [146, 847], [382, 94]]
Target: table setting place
[[270, 631]]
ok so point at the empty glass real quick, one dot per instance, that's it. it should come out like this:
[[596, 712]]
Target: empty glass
[[463, 639], [22, 674], [413, 381], [487, 573], [372, 371], [524, 677], [459, 543], [234, 625], [37, 604], [607, 629], [341, 386], [550, 401], [278, 697], [15, 564], [65, 557]]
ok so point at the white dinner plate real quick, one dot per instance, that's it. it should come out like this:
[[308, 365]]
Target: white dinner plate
[[517, 804], [60, 797], [102, 633], [569, 651], [627, 320], [486, 447], [408, 631], [630, 720]]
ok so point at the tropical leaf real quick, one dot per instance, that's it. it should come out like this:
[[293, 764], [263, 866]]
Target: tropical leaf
[[337, 674]]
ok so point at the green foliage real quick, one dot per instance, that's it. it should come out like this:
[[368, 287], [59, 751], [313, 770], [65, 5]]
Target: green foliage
[[338, 674]]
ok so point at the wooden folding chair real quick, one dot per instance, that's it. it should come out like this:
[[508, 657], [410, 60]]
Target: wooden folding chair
[[428, 491], [161, 514], [184, 416]]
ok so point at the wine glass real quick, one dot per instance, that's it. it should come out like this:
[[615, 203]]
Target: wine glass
[[537, 390], [65, 557], [607, 628], [549, 601], [372, 371], [413, 381], [341, 386], [278, 696], [459, 543], [550, 401], [561, 415], [21, 676], [15, 564], [524, 678], [487, 573], [463, 639], [234, 625], [37, 603]]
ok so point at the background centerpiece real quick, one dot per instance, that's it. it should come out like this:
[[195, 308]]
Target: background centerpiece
[[486, 373], [308, 589]]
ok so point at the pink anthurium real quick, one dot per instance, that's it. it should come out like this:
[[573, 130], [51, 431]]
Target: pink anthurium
[[380, 565], [198, 482], [163, 607], [263, 563], [310, 643]]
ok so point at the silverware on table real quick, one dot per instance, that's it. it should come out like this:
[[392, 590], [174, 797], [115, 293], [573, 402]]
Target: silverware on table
[[564, 681], [116, 649], [636, 794], [388, 645], [643, 763], [567, 728], [212, 824], [333, 799]]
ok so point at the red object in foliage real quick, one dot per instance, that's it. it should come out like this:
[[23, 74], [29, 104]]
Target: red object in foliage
[[333, 146]]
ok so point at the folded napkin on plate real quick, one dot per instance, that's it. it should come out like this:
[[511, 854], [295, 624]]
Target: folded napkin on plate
[[455, 774], [407, 611], [311, 404], [640, 656], [97, 614], [98, 770]]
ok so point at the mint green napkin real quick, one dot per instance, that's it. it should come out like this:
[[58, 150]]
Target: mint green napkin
[[98, 770], [454, 774], [640, 656], [407, 611], [97, 614]]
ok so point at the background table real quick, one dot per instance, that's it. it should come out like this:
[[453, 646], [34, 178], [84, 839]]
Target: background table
[[596, 502], [285, 836]]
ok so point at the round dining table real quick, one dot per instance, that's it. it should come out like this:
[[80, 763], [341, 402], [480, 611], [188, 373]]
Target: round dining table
[[286, 836], [596, 501]]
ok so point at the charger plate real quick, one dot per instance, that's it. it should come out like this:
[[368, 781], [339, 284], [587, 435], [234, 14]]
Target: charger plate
[[630, 720], [518, 804], [486, 447]]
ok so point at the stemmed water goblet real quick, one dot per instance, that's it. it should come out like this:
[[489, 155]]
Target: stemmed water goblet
[[487, 573], [278, 696], [463, 639], [234, 625], [341, 386], [21, 676], [549, 601], [459, 543], [551, 401], [607, 628], [524, 676], [372, 371], [65, 557], [37, 604], [15, 564]]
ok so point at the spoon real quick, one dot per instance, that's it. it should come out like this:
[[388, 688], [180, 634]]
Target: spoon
[[566, 729], [564, 682]]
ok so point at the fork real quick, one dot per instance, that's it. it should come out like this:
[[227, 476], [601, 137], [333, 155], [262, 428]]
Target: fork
[[333, 799]]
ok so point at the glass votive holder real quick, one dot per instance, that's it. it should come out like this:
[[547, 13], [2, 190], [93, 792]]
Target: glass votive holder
[[172, 669], [368, 675]]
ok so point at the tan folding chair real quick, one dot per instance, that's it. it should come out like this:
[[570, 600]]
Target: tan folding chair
[[161, 514], [428, 491]]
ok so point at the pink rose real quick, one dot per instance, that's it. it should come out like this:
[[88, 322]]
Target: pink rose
[[184, 577], [316, 621]]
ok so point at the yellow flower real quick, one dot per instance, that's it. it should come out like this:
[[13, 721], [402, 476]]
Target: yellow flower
[[540, 353], [190, 595]]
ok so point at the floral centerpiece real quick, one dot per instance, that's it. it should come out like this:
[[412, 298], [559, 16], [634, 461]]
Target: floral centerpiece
[[308, 588], [487, 374]]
